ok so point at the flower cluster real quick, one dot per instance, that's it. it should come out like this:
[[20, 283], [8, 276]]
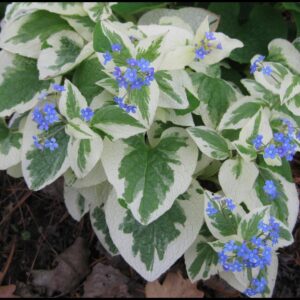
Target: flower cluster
[[283, 144], [206, 46], [223, 203], [257, 286], [139, 73], [238, 256], [45, 117], [257, 66]]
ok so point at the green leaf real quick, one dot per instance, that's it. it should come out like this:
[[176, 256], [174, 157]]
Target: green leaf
[[100, 227], [153, 248], [19, 84], [224, 223], [101, 42], [116, 122], [209, 142], [66, 50], [10, 146], [193, 104], [26, 35], [239, 113], [254, 37], [40, 168], [151, 52], [85, 77], [136, 170], [201, 260], [215, 96]]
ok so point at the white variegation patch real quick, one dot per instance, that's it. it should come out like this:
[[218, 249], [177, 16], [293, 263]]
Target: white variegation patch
[[191, 208], [15, 171]]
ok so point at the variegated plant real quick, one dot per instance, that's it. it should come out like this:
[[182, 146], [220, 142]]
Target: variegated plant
[[168, 158]]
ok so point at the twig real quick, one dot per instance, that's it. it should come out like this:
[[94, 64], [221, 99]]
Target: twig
[[9, 259], [20, 203]]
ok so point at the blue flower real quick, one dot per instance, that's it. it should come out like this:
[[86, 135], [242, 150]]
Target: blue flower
[[36, 143], [267, 70], [87, 114], [137, 84], [219, 46], [210, 36], [270, 151], [116, 47], [58, 87], [130, 74], [131, 62], [210, 210], [265, 228], [122, 82], [270, 188], [279, 137], [200, 53], [230, 205], [253, 68], [51, 144], [117, 72], [107, 57], [143, 64], [257, 142]]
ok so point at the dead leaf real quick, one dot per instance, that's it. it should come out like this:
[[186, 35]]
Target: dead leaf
[[71, 269], [7, 291], [106, 282], [174, 286]]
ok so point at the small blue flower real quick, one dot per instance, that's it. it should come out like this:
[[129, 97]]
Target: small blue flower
[[132, 62], [201, 53], [107, 57], [230, 205], [210, 210], [137, 84], [122, 82], [257, 142], [36, 143], [117, 72], [267, 70], [270, 151], [130, 74], [37, 116], [210, 36], [116, 47], [265, 228], [270, 188], [87, 114], [51, 144], [143, 64], [58, 87], [253, 68]]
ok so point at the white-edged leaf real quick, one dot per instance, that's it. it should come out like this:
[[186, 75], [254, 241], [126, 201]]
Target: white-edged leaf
[[223, 224], [284, 52], [201, 260], [65, 50], [172, 89], [237, 178], [152, 249], [136, 170], [95, 177], [84, 154], [116, 122], [19, 83], [75, 203], [42, 167], [15, 171], [239, 113], [210, 142], [27, 34]]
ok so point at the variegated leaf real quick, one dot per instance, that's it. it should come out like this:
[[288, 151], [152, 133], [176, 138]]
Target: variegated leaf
[[136, 170], [151, 249]]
